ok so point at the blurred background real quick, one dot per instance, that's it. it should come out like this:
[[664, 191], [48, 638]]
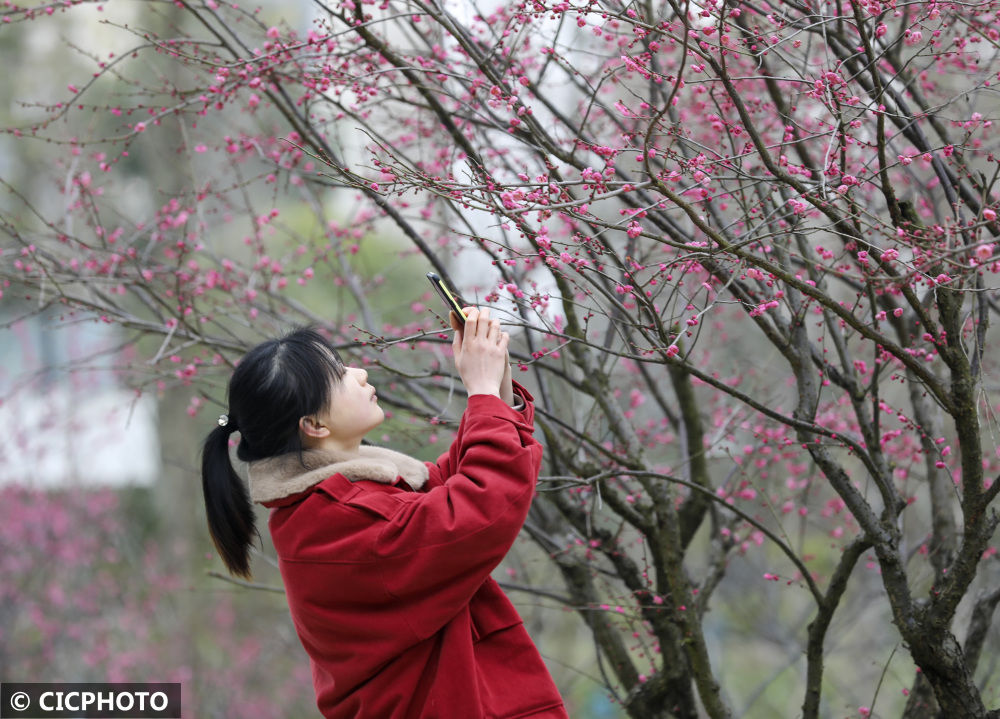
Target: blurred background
[[108, 573]]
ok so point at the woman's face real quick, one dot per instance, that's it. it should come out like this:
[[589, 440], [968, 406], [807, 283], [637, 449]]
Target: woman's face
[[353, 411]]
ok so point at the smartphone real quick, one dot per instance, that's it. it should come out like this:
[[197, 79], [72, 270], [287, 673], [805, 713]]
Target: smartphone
[[452, 300]]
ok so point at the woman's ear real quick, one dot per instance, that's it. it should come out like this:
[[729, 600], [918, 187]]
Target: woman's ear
[[312, 427]]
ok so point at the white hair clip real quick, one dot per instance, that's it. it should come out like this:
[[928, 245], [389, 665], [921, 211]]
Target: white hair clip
[[223, 420]]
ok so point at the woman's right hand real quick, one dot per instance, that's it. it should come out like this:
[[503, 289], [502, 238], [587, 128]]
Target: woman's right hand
[[480, 351]]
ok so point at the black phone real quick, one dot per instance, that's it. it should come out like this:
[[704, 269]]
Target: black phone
[[451, 299]]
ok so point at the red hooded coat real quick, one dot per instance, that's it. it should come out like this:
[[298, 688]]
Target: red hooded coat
[[386, 562]]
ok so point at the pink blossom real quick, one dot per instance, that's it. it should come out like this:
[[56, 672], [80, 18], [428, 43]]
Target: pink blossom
[[798, 206], [620, 106]]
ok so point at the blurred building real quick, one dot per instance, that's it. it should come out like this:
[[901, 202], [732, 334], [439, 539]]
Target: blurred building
[[66, 416]]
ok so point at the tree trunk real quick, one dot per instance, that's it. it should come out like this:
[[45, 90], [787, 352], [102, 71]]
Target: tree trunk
[[943, 665]]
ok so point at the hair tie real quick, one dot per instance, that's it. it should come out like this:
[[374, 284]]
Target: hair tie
[[223, 420]]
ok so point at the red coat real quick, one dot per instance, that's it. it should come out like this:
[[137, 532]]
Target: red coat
[[389, 588]]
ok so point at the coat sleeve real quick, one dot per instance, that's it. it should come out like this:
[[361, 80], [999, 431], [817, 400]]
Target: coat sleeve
[[448, 461], [439, 546]]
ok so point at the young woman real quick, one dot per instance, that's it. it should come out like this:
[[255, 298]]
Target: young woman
[[386, 560]]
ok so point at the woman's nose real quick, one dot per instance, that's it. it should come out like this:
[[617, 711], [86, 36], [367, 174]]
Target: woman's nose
[[362, 375]]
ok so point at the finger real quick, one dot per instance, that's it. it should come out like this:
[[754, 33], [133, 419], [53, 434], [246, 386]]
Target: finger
[[457, 338], [493, 333], [460, 330], [471, 320], [456, 321], [482, 321]]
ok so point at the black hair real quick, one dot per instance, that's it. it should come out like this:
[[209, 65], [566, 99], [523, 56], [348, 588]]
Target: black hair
[[275, 384]]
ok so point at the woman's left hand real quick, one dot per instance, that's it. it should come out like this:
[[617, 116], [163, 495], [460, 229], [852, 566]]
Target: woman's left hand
[[507, 386]]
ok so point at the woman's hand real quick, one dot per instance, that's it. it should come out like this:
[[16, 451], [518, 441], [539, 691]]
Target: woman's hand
[[480, 352], [506, 385]]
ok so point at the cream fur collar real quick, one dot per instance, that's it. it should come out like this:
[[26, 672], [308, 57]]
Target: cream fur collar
[[285, 475]]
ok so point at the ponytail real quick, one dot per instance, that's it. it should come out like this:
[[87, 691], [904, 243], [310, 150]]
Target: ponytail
[[227, 502]]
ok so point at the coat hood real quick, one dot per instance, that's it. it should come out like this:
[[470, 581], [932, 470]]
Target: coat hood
[[279, 477]]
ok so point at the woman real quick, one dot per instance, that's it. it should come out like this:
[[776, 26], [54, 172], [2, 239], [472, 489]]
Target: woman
[[386, 559]]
